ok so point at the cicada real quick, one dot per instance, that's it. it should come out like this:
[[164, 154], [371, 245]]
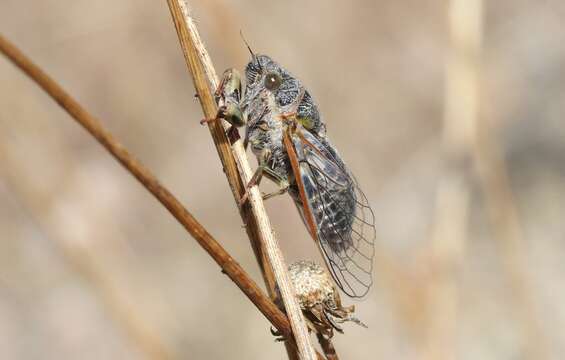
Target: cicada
[[285, 131]]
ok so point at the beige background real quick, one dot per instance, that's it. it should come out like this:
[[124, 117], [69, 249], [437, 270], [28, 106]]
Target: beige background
[[92, 267]]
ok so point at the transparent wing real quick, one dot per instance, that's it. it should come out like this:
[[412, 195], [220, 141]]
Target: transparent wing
[[343, 219]]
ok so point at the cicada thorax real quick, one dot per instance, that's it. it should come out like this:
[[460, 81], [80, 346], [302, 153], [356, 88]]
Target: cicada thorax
[[269, 113]]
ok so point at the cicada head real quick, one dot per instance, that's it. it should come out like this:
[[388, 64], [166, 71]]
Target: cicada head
[[265, 75], [270, 83]]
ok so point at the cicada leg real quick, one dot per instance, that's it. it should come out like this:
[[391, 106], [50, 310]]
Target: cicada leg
[[263, 169], [229, 112], [282, 190], [232, 114], [229, 91]]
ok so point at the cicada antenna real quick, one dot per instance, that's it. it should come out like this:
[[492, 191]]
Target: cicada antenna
[[253, 55]]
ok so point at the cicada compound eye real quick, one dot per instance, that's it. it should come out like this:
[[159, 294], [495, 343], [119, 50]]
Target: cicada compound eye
[[273, 81]]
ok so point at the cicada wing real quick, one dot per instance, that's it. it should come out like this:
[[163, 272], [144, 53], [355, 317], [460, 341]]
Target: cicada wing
[[330, 197]]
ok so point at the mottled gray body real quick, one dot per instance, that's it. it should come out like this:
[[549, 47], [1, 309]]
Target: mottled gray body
[[340, 211]]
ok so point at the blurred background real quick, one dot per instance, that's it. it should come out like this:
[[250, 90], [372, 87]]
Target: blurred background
[[451, 120]]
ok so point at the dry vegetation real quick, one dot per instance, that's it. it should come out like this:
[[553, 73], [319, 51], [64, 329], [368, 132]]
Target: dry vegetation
[[469, 200]]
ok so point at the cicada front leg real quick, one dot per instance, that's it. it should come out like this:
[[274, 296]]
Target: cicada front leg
[[264, 169], [228, 95]]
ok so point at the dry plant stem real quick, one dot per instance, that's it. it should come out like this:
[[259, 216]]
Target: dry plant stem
[[453, 194], [205, 82], [219, 136], [147, 179], [327, 347]]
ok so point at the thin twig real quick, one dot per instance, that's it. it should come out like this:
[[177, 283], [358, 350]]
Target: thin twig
[[205, 82], [229, 266]]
